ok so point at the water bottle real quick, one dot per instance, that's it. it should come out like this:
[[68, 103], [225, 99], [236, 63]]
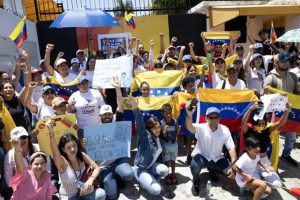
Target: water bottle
[[208, 187], [79, 184]]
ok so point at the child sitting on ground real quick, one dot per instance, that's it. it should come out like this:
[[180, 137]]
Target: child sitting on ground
[[170, 129]]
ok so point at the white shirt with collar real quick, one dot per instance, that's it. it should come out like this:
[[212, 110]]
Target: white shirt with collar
[[210, 144], [240, 85]]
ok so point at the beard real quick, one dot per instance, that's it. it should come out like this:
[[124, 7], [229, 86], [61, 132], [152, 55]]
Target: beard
[[283, 69]]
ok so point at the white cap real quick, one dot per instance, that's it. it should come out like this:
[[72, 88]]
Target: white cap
[[105, 109], [79, 51], [17, 132], [74, 60], [211, 110], [59, 61], [258, 45]]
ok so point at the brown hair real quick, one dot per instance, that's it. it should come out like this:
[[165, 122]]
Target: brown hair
[[151, 122]]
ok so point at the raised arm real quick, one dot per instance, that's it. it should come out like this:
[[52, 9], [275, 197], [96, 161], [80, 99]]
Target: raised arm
[[192, 52], [151, 53], [189, 118], [18, 157], [247, 115], [179, 66], [49, 68], [283, 118], [250, 53], [117, 85], [173, 41], [59, 55], [59, 161], [24, 92], [28, 102], [224, 48], [162, 43]]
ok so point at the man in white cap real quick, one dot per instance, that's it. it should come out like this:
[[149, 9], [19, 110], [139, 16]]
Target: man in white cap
[[62, 74], [119, 170], [82, 58], [211, 137], [75, 67]]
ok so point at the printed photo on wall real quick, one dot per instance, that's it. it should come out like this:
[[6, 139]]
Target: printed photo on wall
[[117, 41]]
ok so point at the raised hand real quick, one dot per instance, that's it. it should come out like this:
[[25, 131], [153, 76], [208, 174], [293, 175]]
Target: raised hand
[[117, 82], [24, 54], [32, 84], [207, 45], [151, 42], [161, 35], [174, 39], [60, 54], [133, 102], [191, 45], [224, 47], [16, 142], [49, 47]]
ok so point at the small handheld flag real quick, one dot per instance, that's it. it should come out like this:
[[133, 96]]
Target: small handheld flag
[[129, 20], [19, 34], [273, 36]]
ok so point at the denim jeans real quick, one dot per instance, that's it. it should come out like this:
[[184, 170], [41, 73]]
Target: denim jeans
[[108, 175], [199, 162], [97, 194], [148, 178], [290, 139]]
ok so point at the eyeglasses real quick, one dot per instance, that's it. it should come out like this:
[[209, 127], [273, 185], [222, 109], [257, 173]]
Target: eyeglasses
[[49, 92], [23, 137]]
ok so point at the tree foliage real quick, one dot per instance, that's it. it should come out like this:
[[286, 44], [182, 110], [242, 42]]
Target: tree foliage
[[122, 6]]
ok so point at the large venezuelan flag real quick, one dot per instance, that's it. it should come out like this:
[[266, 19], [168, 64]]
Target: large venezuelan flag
[[149, 106], [161, 83], [179, 111], [293, 122], [62, 90], [232, 103], [19, 34]]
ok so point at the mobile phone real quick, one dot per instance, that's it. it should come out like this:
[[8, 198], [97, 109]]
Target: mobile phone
[[193, 104]]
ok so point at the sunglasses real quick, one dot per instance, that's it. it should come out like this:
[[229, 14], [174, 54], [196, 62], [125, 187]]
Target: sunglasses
[[23, 137], [213, 118], [219, 62], [49, 92]]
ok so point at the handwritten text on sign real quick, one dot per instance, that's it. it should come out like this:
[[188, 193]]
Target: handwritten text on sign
[[108, 141]]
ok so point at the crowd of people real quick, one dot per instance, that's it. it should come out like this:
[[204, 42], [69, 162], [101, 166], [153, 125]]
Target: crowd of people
[[27, 170]]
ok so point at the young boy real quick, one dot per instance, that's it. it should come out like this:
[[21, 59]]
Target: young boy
[[170, 129]]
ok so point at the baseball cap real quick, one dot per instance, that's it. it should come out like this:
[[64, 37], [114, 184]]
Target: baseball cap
[[105, 109], [74, 60], [211, 110], [36, 70], [81, 79], [187, 58], [238, 60], [239, 47], [262, 31], [282, 57], [172, 47], [79, 51], [57, 101], [17, 132], [59, 62], [258, 45], [256, 55], [45, 88], [219, 58], [232, 67]]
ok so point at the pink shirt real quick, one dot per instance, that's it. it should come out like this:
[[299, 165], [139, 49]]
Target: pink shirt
[[26, 183]]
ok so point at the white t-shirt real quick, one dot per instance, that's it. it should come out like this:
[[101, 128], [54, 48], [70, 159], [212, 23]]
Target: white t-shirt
[[210, 144], [248, 166], [66, 79], [216, 79], [87, 107], [240, 85], [255, 78], [44, 111]]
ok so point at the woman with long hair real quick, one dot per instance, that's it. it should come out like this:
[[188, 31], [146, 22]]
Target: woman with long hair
[[71, 163]]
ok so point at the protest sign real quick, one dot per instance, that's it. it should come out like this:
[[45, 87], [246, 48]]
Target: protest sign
[[108, 68], [108, 141], [62, 124]]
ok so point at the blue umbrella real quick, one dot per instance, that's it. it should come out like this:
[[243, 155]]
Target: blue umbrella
[[84, 17]]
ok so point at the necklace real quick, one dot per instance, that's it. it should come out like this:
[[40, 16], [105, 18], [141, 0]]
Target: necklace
[[77, 177]]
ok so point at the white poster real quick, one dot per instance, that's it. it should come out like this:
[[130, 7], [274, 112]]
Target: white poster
[[105, 70]]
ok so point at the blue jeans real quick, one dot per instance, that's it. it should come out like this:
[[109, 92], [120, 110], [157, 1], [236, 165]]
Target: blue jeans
[[97, 194], [199, 162], [108, 175], [290, 139], [148, 178]]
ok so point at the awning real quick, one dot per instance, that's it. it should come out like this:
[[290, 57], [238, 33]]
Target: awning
[[222, 14]]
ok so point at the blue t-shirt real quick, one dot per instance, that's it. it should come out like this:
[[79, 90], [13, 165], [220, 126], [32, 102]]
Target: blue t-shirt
[[171, 131]]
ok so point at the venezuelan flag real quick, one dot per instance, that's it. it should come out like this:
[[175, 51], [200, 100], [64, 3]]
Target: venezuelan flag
[[232, 103], [161, 83], [273, 36], [19, 34], [62, 90], [149, 106], [293, 122], [129, 20], [179, 112], [220, 37]]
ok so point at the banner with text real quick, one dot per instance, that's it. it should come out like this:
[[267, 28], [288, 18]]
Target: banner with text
[[108, 141]]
